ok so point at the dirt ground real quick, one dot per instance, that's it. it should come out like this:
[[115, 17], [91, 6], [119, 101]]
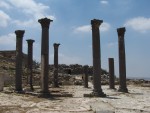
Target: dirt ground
[[136, 101]]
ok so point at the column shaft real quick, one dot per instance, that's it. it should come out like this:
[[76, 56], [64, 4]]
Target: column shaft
[[45, 54], [85, 76], [122, 60], [55, 78], [111, 73], [30, 61], [19, 56], [96, 57]]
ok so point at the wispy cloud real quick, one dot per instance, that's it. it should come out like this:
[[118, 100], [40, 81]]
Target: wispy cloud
[[84, 28], [104, 2], [87, 28], [4, 4], [8, 41], [105, 27], [4, 19], [32, 9], [140, 24]]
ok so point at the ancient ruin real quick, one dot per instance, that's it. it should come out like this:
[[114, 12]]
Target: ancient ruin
[[19, 55], [45, 22], [111, 73], [97, 91], [55, 78], [30, 61], [122, 60]]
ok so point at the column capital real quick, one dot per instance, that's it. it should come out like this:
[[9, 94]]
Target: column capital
[[96, 23], [56, 45], [121, 31], [30, 41], [45, 22], [19, 33]]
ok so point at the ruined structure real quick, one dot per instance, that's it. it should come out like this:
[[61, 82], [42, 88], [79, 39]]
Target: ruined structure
[[96, 58], [111, 73], [45, 22], [55, 79], [19, 55], [30, 61], [122, 60]]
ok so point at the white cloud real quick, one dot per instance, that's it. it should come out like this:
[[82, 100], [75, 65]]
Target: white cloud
[[140, 24], [87, 28], [105, 27], [8, 41], [4, 19], [104, 2], [31, 9], [4, 5], [24, 23]]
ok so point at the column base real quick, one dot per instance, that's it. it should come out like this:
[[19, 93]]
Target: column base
[[19, 91], [96, 94], [55, 86], [44, 94], [125, 90]]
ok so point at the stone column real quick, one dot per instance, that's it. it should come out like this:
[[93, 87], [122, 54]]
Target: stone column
[[122, 60], [45, 22], [55, 78], [19, 56], [96, 58], [30, 61], [111, 73], [85, 76]]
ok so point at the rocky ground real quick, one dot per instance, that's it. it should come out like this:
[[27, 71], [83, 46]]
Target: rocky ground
[[136, 101]]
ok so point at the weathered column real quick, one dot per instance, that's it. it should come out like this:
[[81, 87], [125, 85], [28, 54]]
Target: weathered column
[[122, 60], [45, 22], [30, 61], [111, 73], [96, 58], [55, 78], [19, 55], [85, 76]]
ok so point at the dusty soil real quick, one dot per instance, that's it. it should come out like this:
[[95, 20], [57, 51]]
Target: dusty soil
[[136, 101]]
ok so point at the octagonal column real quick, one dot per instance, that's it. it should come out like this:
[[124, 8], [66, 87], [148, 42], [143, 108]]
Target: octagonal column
[[111, 73], [45, 22], [19, 56], [30, 61], [55, 78], [122, 60], [96, 58]]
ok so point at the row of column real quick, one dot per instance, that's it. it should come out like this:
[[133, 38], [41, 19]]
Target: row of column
[[95, 23], [19, 56], [97, 91]]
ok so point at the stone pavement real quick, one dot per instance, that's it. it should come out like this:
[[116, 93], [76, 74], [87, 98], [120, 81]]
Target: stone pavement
[[137, 101]]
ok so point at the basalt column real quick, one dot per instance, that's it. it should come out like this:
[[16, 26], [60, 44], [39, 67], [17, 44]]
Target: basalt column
[[111, 73], [96, 58], [45, 22], [30, 61], [55, 78], [19, 55], [85, 76], [122, 60]]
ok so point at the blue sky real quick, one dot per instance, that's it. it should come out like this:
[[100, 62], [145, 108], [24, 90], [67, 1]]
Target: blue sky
[[71, 28]]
